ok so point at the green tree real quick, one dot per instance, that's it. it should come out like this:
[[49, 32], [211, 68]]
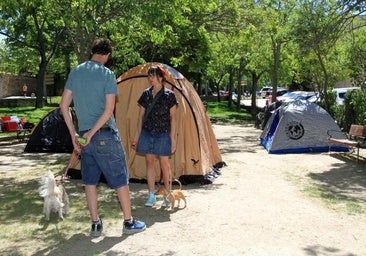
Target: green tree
[[179, 32], [86, 20], [173, 32], [276, 19], [17, 60], [31, 24], [317, 27], [223, 62], [264, 40], [256, 58], [355, 51]]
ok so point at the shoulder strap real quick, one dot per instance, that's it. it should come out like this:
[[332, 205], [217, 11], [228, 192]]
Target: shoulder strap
[[148, 110]]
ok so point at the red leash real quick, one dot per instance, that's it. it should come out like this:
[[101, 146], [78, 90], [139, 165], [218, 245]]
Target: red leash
[[74, 158]]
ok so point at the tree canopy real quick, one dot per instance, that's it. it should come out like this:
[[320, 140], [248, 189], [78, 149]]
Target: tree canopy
[[307, 43]]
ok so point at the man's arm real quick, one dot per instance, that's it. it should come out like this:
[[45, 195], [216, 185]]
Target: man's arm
[[64, 106]]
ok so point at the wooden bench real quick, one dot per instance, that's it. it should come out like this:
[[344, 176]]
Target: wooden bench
[[355, 138], [21, 134]]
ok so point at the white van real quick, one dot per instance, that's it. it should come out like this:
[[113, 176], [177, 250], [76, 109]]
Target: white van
[[340, 92], [265, 91]]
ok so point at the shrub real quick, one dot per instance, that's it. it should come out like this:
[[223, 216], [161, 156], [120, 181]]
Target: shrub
[[352, 112], [354, 108]]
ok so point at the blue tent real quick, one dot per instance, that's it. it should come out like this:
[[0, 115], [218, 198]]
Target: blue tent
[[300, 127]]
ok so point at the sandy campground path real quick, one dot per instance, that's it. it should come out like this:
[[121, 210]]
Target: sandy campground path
[[256, 207]]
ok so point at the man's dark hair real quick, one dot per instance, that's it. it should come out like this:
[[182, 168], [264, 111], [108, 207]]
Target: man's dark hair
[[101, 46]]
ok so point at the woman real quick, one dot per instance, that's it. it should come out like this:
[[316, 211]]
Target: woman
[[156, 133]]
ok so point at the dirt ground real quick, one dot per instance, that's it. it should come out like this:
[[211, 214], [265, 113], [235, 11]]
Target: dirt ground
[[258, 206]]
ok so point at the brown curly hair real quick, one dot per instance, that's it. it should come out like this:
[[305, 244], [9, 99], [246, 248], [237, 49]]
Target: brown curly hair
[[101, 46]]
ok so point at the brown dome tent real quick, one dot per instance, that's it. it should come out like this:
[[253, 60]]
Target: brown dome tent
[[197, 152]]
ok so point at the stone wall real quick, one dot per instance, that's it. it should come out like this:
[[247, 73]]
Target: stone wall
[[12, 85]]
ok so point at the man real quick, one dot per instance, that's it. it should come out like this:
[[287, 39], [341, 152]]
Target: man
[[92, 88], [24, 90]]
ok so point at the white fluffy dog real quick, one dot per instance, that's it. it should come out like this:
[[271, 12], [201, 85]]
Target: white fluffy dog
[[55, 196]]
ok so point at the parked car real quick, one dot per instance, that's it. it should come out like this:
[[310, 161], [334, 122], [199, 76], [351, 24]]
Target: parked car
[[280, 92], [298, 95], [222, 93], [341, 92], [265, 91], [314, 98]]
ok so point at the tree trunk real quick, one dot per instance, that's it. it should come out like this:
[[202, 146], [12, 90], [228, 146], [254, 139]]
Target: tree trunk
[[326, 78], [67, 65], [255, 79], [231, 82], [41, 85], [218, 92], [238, 89], [276, 67]]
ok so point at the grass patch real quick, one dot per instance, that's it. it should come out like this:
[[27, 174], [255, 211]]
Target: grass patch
[[333, 200], [329, 198], [221, 111], [32, 114], [24, 229], [217, 111]]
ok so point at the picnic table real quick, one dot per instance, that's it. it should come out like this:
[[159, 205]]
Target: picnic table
[[14, 125]]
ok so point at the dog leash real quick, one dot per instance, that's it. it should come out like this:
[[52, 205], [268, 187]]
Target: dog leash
[[74, 158]]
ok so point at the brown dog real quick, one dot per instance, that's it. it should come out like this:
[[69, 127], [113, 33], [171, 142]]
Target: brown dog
[[173, 195]]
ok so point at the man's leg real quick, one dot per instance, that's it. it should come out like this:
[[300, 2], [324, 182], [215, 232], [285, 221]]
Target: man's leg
[[123, 194], [92, 199], [130, 225]]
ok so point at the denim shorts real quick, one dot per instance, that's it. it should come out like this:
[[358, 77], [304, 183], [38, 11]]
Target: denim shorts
[[159, 144], [104, 154]]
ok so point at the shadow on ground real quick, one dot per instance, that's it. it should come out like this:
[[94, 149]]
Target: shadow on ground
[[21, 205], [345, 180]]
